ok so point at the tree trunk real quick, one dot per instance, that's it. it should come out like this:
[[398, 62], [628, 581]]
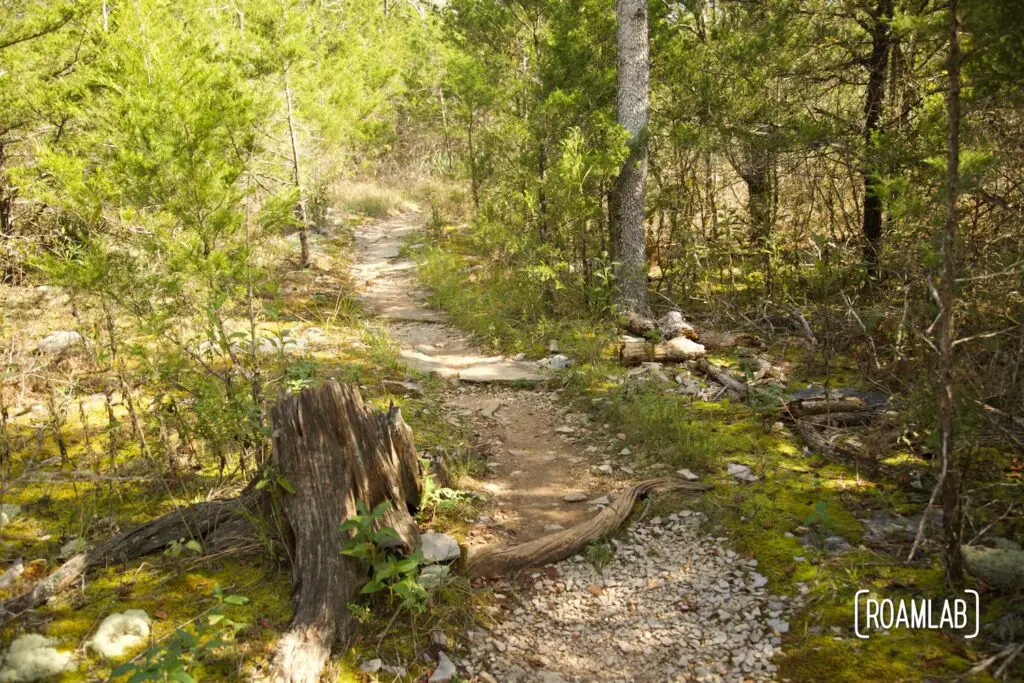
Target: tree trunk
[[627, 201], [874, 100], [952, 510], [300, 210], [562, 544], [757, 174]]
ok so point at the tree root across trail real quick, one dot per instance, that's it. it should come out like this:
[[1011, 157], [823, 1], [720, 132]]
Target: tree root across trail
[[332, 450]]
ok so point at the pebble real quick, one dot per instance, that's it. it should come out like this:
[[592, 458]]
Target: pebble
[[575, 497]]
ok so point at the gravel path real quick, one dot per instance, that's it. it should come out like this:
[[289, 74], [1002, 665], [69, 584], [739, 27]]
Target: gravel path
[[674, 604]]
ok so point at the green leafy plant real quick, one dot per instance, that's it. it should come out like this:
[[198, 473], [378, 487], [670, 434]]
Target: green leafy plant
[[375, 548], [820, 522], [186, 647], [599, 553]]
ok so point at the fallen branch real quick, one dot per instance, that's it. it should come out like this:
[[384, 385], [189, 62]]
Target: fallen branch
[[719, 375], [562, 544]]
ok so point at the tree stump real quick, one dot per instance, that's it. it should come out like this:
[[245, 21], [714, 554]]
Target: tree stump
[[334, 451]]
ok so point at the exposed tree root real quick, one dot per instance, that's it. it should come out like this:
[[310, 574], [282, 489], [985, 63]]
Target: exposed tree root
[[562, 544]]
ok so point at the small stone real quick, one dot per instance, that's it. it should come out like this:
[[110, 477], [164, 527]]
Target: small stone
[[371, 666], [602, 500], [625, 451], [564, 429], [575, 497], [595, 590], [58, 342], [439, 548], [402, 388], [444, 671], [439, 637], [758, 581], [687, 475]]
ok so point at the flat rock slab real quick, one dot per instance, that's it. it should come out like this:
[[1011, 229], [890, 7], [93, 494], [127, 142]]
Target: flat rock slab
[[472, 368]]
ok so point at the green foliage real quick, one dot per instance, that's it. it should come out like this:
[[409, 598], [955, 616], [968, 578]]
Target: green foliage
[[373, 545], [599, 553], [186, 647]]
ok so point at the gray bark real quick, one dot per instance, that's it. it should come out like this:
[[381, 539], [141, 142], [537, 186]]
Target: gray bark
[[628, 195]]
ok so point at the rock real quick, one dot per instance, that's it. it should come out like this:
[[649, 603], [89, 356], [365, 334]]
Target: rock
[[371, 666], [120, 633], [58, 342], [1000, 567], [779, 626], [737, 470], [439, 637], [565, 429], [12, 573], [837, 544], [33, 657], [604, 469], [519, 356], [687, 475], [625, 451], [439, 548], [444, 671], [8, 512], [486, 677], [433, 576], [672, 325], [556, 362], [682, 348], [72, 547], [758, 581], [603, 500], [402, 388], [575, 497], [550, 677], [489, 408]]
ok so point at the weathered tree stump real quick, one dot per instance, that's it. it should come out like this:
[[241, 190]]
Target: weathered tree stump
[[335, 451]]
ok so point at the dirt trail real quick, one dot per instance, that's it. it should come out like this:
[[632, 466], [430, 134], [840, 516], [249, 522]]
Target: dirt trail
[[671, 604], [536, 455]]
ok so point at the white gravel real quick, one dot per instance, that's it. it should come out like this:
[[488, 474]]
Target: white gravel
[[673, 604]]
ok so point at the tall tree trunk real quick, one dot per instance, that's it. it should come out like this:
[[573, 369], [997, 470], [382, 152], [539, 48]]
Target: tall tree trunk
[[758, 175], [628, 195], [297, 176], [952, 511], [874, 101]]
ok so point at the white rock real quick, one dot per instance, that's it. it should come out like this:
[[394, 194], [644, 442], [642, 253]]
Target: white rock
[[445, 669], [439, 548], [737, 470], [371, 666], [556, 362], [433, 575], [575, 497], [687, 475], [120, 633], [603, 500], [33, 657], [59, 342], [759, 581], [564, 429], [8, 512], [72, 547]]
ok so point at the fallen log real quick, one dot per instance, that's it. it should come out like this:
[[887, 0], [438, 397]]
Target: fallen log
[[843, 419], [562, 544], [719, 375], [634, 351], [804, 408]]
